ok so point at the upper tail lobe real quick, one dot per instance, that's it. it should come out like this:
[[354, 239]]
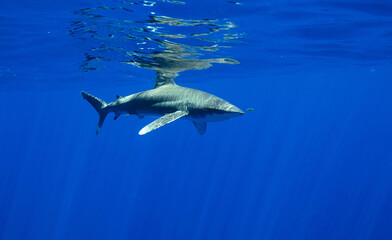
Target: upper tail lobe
[[98, 104]]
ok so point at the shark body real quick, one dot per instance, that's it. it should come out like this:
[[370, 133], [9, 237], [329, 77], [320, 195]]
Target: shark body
[[170, 102]]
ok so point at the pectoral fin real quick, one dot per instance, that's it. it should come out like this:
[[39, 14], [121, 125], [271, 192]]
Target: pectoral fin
[[200, 127], [167, 118]]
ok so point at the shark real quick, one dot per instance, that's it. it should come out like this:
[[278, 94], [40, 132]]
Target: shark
[[170, 102]]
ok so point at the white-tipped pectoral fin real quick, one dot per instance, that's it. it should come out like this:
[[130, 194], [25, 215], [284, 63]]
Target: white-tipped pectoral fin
[[167, 118]]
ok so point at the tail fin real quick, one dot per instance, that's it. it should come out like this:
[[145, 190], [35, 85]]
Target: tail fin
[[98, 104]]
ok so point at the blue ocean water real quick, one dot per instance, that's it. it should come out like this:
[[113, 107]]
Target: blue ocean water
[[313, 160]]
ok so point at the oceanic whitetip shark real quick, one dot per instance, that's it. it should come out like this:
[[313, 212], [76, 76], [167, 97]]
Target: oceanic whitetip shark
[[169, 101]]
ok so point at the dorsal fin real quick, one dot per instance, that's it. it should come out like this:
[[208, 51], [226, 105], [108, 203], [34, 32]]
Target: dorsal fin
[[118, 96], [164, 78]]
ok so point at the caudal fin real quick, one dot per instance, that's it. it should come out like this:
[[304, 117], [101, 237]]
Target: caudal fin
[[98, 104]]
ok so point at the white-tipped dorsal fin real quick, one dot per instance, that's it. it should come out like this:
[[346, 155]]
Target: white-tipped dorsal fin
[[165, 119], [200, 127], [165, 78]]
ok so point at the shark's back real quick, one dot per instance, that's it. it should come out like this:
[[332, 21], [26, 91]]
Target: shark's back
[[189, 97]]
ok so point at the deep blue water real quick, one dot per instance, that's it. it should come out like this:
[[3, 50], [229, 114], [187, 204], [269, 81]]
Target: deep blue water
[[312, 161]]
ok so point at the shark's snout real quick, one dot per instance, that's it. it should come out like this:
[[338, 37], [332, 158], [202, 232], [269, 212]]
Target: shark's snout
[[233, 111]]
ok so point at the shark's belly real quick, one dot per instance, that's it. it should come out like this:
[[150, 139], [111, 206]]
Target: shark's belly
[[158, 109], [197, 116], [206, 118]]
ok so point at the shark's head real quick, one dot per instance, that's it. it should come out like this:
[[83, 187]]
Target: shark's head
[[217, 109], [228, 110]]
